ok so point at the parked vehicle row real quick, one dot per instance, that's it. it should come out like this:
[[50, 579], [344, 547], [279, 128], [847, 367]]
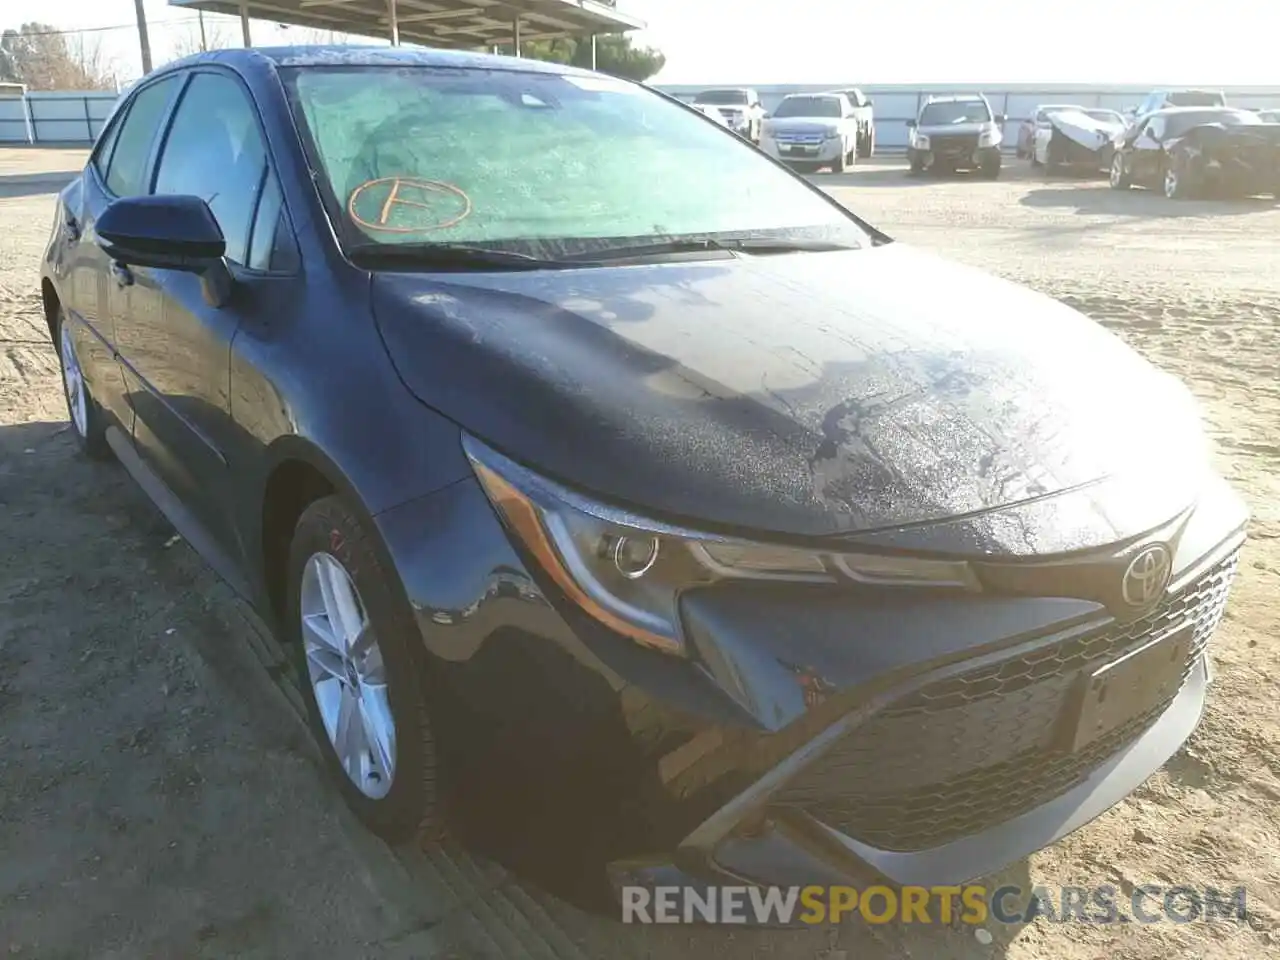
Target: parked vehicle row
[[833, 129], [807, 576]]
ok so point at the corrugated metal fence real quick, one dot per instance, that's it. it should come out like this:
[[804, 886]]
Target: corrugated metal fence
[[77, 117], [53, 117]]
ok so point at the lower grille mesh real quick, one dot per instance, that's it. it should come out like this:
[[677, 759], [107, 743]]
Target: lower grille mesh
[[970, 752]]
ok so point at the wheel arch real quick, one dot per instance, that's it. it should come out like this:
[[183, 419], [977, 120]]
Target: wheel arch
[[297, 474]]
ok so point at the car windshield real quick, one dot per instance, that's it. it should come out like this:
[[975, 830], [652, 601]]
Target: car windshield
[[808, 107], [723, 97], [544, 164], [1179, 123], [954, 111], [1194, 98]]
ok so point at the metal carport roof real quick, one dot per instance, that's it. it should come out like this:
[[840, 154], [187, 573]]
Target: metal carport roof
[[435, 23]]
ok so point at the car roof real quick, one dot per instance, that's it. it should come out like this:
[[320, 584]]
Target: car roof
[[820, 93], [359, 55], [957, 98]]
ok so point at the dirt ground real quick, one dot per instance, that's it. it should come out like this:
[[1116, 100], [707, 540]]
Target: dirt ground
[[159, 796]]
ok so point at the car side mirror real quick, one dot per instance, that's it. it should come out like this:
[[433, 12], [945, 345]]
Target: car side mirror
[[1000, 118], [869, 102], [168, 233], [911, 123], [766, 115]]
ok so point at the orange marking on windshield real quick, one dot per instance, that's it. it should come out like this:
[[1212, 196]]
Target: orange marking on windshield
[[444, 200]]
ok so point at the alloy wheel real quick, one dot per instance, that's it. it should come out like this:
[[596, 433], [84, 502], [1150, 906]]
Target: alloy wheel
[[347, 674], [73, 380]]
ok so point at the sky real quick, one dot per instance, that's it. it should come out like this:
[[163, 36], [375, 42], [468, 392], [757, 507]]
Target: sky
[[1155, 42]]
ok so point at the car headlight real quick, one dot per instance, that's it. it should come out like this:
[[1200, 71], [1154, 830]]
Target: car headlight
[[990, 138], [628, 572], [921, 141]]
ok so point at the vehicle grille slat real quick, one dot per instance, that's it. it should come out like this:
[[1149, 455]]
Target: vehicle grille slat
[[964, 754]]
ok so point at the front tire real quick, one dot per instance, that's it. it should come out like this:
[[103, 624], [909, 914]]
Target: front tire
[[359, 676], [990, 168], [1119, 178], [1177, 181], [88, 422]]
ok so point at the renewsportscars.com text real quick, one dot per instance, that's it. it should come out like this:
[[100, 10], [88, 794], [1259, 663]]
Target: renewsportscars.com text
[[970, 904]]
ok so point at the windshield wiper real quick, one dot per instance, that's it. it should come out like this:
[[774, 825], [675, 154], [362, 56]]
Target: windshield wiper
[[677, 245], [446, 256]]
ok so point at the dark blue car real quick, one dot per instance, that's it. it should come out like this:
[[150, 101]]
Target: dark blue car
[[560, 430]]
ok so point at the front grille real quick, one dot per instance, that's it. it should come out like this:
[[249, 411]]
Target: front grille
[[967, 753], [953, 144], [800, 139]]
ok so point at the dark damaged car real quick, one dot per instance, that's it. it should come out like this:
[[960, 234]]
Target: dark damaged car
[[1194, 151], [567, 438]]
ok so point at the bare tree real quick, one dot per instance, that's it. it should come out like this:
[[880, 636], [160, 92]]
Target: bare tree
[[189, 41], [45, 59]]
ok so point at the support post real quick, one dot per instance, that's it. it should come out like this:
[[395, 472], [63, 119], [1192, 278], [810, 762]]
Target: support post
[[593, 51], [204, 40], [394, 19], [143, 40], [515, 36], [244, 22]]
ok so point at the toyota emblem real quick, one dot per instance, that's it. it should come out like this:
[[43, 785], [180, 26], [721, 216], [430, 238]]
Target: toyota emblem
[[1146, 576]]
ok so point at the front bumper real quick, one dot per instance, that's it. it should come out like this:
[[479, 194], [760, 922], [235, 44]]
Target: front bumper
[[825, 151], [788, 847], [961, 156], [890, 791]]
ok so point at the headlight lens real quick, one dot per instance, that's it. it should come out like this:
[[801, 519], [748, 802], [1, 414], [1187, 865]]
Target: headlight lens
[[921, 141], [989, 138], [628, 572]]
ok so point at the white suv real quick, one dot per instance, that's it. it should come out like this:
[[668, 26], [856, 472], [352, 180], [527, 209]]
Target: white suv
[[809, 131]]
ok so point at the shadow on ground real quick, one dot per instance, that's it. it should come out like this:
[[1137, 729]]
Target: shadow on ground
[[34, 184], [1100, 199]]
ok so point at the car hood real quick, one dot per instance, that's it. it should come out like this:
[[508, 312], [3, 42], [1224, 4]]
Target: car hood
[[806, 395], [965, 129], [804, 125]]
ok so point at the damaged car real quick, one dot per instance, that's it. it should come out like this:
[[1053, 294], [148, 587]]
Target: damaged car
[[571, 443], [1024, 146], [1077, 137], [1193, 151]]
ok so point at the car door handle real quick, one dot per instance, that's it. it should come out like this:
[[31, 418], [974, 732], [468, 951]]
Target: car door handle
[[123, 275]]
